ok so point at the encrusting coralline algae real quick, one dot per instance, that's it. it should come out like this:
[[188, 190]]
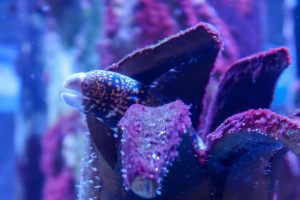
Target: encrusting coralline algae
[[150, 137]]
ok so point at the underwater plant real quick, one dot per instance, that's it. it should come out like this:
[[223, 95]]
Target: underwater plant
[[209, 144]]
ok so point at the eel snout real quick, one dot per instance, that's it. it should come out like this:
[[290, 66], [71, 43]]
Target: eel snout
[[75, 81], [73, 95]]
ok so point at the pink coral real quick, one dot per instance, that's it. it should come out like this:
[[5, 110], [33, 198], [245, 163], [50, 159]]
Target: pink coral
[[59, 178], [150, 137], [263, 121], [60, 187], [149, 21], [252, 79]]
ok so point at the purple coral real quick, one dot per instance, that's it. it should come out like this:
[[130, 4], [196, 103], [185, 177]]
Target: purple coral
[[150, 137], [60, 187], [251, 79], [150, 21], [59, 177], [154, 20], [262, 121]]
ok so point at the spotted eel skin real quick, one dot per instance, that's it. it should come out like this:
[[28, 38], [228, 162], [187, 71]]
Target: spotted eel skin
[[110, 94]]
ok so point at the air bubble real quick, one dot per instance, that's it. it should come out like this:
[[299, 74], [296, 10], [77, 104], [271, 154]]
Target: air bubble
[[115, 135]]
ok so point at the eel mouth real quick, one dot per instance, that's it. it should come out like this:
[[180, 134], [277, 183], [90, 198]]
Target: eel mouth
[[73, 95]]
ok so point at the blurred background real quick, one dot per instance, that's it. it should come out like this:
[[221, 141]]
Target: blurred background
[[43, 41]]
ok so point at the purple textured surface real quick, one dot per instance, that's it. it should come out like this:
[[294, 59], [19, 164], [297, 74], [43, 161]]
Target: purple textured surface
[[248, 83], [262, 121], [154, 20], [150, 137]]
